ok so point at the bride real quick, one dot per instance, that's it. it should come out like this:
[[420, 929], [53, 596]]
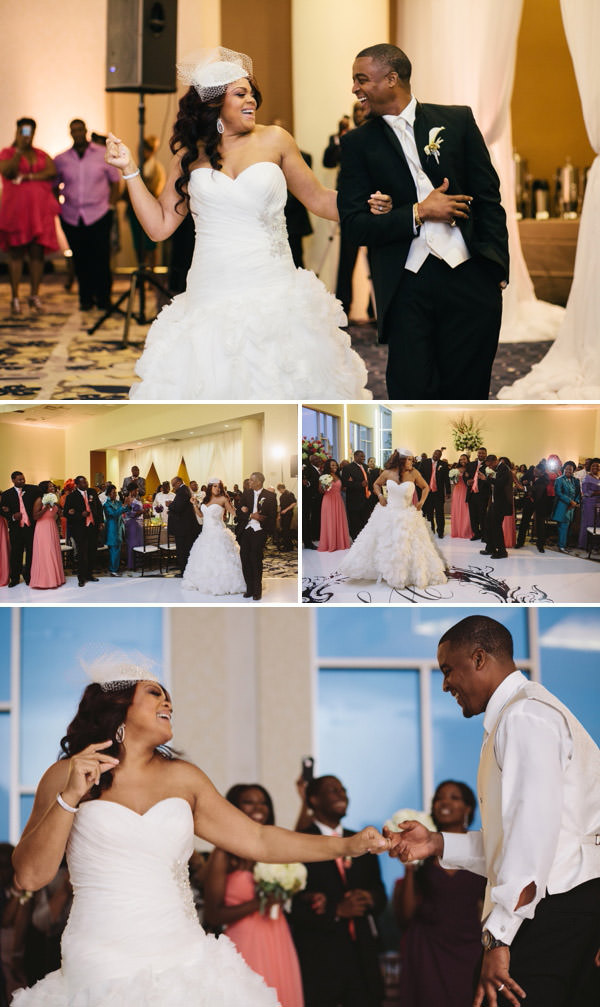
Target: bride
[[249, 324], [126, 809], [214, 565], [396, 544]]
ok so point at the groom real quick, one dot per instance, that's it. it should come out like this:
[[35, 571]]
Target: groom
[[259, 510], [440, 257]]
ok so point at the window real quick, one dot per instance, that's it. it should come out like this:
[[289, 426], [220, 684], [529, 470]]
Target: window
[[361, 439], [317, 425], [384, 448]]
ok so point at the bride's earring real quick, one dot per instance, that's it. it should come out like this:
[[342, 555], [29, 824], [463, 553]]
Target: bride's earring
[[120, 734], [220, 126]]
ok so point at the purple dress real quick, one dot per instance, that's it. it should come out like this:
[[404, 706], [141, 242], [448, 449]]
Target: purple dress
[[442, 943], [589, 486], [134, 529]]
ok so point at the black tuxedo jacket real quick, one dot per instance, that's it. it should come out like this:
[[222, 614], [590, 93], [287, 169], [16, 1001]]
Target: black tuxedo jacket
[[296, 214], [484, 484], [10, 502], [323, 941], [182, 518], [372, 475], [372, 158], [352, 480], [502, 491], [267, 508], [75, 501], [442, 477], [310, 476]]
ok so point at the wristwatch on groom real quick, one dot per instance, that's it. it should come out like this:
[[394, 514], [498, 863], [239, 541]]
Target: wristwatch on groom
[[489, 942]]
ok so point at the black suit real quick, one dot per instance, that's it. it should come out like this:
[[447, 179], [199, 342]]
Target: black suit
[[286, 499], [252, 543], [338, 969], [21, 536], [372, 475], [357, 503], [311, 505], [534, 504], [477, 502], [297, 221], [499, 507], [182, 524], [441, 324], [433, 508], [84, 536]]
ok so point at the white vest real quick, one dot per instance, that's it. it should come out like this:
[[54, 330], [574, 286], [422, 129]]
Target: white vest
[[577, 856]]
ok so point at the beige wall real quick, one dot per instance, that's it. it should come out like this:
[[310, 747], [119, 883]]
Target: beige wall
[[39, 453], [243, 696]]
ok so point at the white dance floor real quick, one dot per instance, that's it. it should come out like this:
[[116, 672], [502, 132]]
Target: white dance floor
[[146, 590], [525, 577]]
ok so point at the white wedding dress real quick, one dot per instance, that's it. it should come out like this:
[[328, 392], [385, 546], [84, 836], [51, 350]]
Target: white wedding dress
[[214, 566], [133, 938], [250, 325], [396, 545]]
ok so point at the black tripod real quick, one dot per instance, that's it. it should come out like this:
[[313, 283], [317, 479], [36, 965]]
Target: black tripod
[[141, 275]]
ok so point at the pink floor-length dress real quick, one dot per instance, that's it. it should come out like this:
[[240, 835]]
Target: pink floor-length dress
[[509, 530], [334, 523], [265, 944], [4, 553], [46, 562], [460, 522]]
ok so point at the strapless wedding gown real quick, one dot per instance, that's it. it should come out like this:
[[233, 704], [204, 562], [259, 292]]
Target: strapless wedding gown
[[133, 938], [214, 565], [396, 545], [250, 325]]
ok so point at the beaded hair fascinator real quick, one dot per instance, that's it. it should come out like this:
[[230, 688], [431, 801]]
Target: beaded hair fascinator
[[405, 452], [209, 71], [214, 481], [118, 669]]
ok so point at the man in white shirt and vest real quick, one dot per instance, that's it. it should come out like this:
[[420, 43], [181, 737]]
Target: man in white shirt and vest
[[440, 257], [539, 846]]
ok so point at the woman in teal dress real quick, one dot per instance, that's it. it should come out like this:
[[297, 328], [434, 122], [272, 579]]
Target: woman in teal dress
[[113, 511], [567, 495]]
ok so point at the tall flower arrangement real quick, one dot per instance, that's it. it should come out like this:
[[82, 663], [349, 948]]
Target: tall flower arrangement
[[466, 434], [314, 446]]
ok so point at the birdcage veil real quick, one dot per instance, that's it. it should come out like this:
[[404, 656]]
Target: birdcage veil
[[209, 71], [117, 669]]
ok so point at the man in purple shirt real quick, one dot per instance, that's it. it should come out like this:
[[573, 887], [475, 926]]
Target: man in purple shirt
[[90, 191]]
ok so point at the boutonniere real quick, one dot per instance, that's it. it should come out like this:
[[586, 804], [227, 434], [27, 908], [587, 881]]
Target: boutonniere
[[432, 149]]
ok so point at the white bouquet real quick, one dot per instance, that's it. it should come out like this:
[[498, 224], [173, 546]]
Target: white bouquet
[[50, 499], [490, 473], [454, 476], [326, 481], [279, 880], [410, 815]]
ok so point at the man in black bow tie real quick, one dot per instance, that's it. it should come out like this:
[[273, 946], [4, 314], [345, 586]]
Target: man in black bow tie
[[259, 511], [440, 257]]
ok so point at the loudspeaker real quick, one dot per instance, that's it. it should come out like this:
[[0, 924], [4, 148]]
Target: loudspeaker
[[141, 45]]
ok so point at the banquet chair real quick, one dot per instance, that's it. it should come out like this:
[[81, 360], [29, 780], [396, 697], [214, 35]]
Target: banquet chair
[[593, 533], [144, 555], [168, 549]]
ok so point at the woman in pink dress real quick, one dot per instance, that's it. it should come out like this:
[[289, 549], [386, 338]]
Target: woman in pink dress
[[334, 523], [460, 522], [46, 563], [4, 553], [27, 211], [231, 902]]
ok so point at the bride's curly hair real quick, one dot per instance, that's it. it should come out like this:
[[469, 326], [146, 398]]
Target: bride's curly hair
[[209, 491], [98, 716], [396, 461], [196, 126]]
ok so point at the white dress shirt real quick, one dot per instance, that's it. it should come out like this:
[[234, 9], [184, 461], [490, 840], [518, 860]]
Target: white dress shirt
[[254, 524], [434, 237], [326, 830], [533, 747]]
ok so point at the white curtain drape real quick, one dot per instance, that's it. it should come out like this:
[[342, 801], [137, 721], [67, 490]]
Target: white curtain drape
[[464, 53], [218, 454], [571, 370]]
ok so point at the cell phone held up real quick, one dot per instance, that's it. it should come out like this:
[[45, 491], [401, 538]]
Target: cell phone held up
[[308, 765]]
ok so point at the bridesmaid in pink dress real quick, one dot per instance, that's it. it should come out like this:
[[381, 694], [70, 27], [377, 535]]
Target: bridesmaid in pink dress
[[460, 522], [230, 901], [4, 553], [334, 523], [46, 563]]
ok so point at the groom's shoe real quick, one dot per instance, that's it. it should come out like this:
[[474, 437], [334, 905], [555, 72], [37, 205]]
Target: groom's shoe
[[485, 552], [500, 555], [475, 538], [257, 596], [248, 594]]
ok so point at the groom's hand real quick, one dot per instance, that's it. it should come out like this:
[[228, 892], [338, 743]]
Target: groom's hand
[[444, 208]]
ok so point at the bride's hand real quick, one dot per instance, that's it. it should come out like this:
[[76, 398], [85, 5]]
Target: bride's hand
[[382, 500], [119, 155], [85, 770], [367, 841], [379, 203]]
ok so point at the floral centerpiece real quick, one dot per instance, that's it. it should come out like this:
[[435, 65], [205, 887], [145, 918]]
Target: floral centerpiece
[[326, 481], [49, 499], [314, 446], [410, 815], [466, 434], [280, 881]]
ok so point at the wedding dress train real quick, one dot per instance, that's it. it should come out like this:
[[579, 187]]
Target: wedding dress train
[[214, 565]]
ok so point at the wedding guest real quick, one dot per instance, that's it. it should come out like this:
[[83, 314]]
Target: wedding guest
[[333, 919], [334, 523], [85, 520], [102, 488], [567, 497], [68, 487], [154, 177], [90, 189], [311, 502], [539, 790], [499, 506], [287, 503], [590, 496], [133, 519], [535, 484], [373, 473], [136, 478], [435, 473], [509, 524], [460, 520], [583, 470], [113, 516], [162, 499], [231, 901], [478, 493], [4, 552], [46, 563], [27, 212], [440, 911], [18, 505], [356, 485]]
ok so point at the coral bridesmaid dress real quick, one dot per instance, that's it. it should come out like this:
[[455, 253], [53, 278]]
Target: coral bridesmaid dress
[[334, 523], [46, 563], [460, 522], [4, 553]]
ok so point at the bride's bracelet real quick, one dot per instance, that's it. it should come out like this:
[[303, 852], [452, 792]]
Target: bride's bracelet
[[66, 807], [133, 175]]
